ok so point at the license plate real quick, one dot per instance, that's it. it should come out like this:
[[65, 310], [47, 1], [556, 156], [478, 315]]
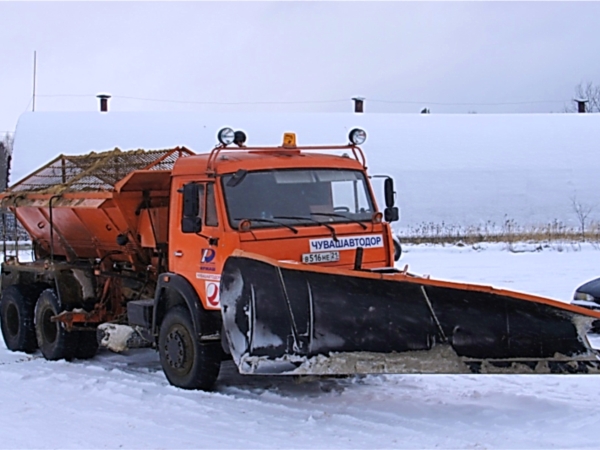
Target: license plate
[[321, 257]]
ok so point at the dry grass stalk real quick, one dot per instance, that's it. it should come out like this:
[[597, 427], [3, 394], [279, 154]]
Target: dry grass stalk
[[508, 232]]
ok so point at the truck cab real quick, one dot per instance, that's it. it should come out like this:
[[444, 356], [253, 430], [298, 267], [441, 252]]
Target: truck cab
[[285, 203]]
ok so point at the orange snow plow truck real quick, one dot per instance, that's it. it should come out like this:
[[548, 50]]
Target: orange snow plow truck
[[275, 257]]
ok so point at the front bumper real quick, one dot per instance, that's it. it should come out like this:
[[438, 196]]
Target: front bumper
[[586, 304]]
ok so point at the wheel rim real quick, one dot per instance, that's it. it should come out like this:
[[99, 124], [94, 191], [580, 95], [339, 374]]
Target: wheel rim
[[178, 349], [49, 328], [12, 320]]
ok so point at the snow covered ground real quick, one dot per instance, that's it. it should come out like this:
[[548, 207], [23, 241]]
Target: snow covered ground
[[116, 401]]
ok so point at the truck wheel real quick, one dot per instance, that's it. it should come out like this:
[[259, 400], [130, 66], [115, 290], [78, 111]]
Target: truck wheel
[[87, 344], [16, 318], [54, 341], [187, 363]]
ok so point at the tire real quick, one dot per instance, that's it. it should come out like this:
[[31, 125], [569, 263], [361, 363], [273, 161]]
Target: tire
[[186, 362], [87, 344], [16, 318], [53, 339]]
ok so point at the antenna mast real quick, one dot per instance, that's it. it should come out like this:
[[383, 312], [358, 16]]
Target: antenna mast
[[34, 75]]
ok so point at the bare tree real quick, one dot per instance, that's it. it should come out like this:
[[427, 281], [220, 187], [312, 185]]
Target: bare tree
[[582, 211], [8, 141], [6, 147], [586, 91], [6, 220]]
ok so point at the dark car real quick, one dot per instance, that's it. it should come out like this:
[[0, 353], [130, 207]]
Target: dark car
[[588, 296]]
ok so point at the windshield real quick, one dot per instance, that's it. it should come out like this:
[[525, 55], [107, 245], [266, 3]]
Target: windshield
[[297, 197]]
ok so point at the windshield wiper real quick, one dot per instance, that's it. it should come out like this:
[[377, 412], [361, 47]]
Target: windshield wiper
[[364, 227], [329, 227], [256, 219]]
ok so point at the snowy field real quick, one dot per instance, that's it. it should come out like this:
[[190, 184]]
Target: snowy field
[[116, 401]]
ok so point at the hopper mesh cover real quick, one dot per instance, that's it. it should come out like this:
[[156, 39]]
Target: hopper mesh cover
[[96, 171]]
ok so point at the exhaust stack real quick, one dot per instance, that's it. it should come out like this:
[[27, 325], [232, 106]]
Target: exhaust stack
[[103, 102]]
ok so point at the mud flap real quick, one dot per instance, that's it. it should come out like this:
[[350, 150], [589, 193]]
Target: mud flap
[[293, 319]]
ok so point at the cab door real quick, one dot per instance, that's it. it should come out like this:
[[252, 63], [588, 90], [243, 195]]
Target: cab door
[[195, 235]]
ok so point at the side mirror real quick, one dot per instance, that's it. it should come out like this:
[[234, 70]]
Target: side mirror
[[388, 187], [190, 222], [391, 214], [191, 225]]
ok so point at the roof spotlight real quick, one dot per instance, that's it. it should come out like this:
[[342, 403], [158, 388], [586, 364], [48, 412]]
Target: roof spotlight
[[225, 136], [357, 136], [239, 138]]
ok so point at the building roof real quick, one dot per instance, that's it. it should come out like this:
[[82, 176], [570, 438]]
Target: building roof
[[453, 168]]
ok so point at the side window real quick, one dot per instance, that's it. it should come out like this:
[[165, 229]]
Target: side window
[[193, 207], [199, 207], [350, 196], [211, 206]]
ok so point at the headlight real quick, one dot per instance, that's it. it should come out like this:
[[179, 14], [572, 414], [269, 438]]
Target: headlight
[[226, 136], [357, 136], [239, 137], [582, 296]]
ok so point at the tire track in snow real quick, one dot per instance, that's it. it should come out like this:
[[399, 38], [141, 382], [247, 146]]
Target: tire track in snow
[[397, 409]]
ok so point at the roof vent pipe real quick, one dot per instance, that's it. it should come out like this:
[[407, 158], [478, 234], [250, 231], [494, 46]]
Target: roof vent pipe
[[359, 104], [581, 108], [103, 102]]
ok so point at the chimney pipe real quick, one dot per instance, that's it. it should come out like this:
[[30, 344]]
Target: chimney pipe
[[581, 108], [103, 102], [359, 104]]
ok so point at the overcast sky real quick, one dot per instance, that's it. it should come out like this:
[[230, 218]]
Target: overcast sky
[[436, 55]]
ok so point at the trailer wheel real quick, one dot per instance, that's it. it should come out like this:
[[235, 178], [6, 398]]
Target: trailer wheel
[[187, 363], [16, 318], [54, 341]]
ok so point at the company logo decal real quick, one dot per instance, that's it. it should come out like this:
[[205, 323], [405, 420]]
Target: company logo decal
[[207, 259], [208, 255], [346, 243], [212, 293]]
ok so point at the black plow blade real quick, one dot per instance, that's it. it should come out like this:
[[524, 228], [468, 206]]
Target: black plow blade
[[286, 318]]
